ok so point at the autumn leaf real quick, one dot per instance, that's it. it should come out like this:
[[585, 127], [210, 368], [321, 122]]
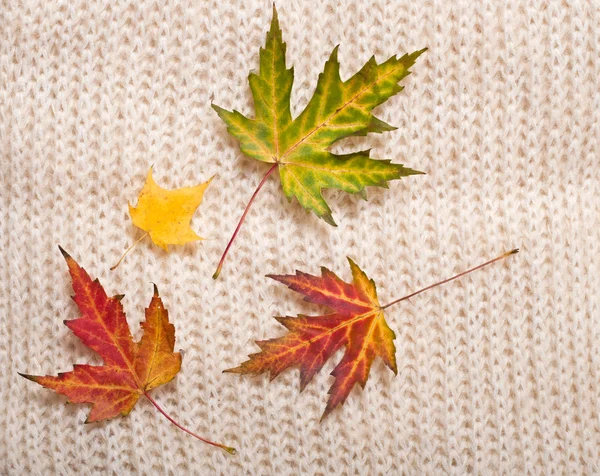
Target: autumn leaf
[[356, 323], [299, 148], [130, 369], [165, 215]]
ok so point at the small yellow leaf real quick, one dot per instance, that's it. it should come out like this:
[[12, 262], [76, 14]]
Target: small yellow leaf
[[166, 214]]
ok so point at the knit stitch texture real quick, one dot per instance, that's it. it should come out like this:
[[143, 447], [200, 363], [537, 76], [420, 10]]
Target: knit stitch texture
[[499, 373]]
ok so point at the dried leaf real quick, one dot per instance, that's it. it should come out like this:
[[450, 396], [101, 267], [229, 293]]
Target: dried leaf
[[130, 369], [357, 324], [166, 214], [299, 148]]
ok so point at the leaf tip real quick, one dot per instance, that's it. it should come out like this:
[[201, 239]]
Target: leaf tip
[[334, 54], [64, 253], [407, 171], [328, 218], [218, 109], [325, 413], [352, 263], [33, 378], [277, 277], [155, 290], [512, 252], [413, 56]]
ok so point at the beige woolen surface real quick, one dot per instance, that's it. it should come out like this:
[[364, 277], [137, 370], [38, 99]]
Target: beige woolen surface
[[498, 372]]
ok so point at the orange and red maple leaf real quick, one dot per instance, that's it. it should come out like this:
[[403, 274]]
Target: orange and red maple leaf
[[356, 323], [130, 369]]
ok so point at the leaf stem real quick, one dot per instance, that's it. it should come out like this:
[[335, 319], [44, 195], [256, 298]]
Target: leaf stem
[[127, 251], [218, 445], [460, 275], [237, 229]]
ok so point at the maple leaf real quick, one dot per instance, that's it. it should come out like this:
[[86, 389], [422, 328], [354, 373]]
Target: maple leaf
[[357, 324], [130, 369], [299, 148], [165, 215]]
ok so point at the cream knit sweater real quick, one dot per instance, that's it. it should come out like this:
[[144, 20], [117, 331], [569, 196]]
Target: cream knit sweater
[[499, 373]]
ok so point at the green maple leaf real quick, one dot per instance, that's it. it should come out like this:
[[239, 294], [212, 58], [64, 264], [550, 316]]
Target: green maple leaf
[[299, 148]]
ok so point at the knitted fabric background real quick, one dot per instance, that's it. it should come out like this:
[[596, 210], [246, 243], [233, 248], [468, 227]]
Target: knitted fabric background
[[498, 372]]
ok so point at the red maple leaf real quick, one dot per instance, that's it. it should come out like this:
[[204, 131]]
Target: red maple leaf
[[357, 324], [130, 369]]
